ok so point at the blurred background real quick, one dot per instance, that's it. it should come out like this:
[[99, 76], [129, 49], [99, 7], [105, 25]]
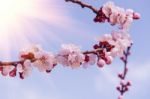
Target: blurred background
[[51, 23]]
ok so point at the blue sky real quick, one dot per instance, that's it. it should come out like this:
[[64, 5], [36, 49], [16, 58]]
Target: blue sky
[[75, 25]]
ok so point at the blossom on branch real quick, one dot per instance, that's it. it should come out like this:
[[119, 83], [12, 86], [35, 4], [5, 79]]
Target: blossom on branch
[[26, 69], [121, 40], [89, 60], [45, 61], [6, 70], [116, 15], [70, 55]]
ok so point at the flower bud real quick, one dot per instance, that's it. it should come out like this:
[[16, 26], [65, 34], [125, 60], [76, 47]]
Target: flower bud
[[136, 16], [101, 63], [129, 83], [123, 82], [120, 75], [118, 88], [120, 97], [109, 59]]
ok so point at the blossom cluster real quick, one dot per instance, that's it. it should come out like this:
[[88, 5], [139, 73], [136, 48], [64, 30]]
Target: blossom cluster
[[113, 45], [123, 87], [33, 56], [70, 55], [116, 15]]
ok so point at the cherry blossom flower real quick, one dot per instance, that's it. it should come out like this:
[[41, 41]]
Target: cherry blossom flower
[[116, 15], [5, 71], [122, 42], [29, 52], [25, 69], [107, 8], [70, 55], [45, 61], [19, 68], [112, 45], [89, 60]]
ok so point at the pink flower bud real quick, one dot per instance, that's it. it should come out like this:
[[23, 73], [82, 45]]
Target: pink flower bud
[[118, 88], [126, 69], [123, 58], [129, 83], [13, 72], [101, 63], [120, 97], [123, 82], [27, 63], [120, 75], [6, 70], [126, 88], [136, 16], [109, 60]]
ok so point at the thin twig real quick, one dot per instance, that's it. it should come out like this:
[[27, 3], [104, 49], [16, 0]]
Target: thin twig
[[84, 5], [14, 63], [125, 70]]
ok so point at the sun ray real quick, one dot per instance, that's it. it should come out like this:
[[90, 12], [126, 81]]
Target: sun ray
[[21, 19]]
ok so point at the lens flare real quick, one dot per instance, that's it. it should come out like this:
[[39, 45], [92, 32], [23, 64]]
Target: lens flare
[[22, 21]]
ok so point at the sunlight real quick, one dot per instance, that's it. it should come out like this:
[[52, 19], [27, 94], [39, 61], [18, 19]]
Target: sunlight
[[23, 19], [10, 10]]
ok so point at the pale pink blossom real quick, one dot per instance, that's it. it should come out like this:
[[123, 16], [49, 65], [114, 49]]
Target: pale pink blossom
[[106, 37], [107, 8], [121, 18], [19, 68], [91, 60], [113, 18], [33, 49], [26, 69], [45, 61], [7, 69], [70, 55], [123, 82], [130, 13], [127, 23], [122, 42], [117, 15]]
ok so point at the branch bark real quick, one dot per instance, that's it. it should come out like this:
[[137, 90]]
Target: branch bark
[[15, 63], [84, 5]]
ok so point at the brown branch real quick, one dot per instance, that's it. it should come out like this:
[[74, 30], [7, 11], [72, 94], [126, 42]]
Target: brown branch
[[92, 51], [15, 63], [83, 5], [123, 87], [125, 69]]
